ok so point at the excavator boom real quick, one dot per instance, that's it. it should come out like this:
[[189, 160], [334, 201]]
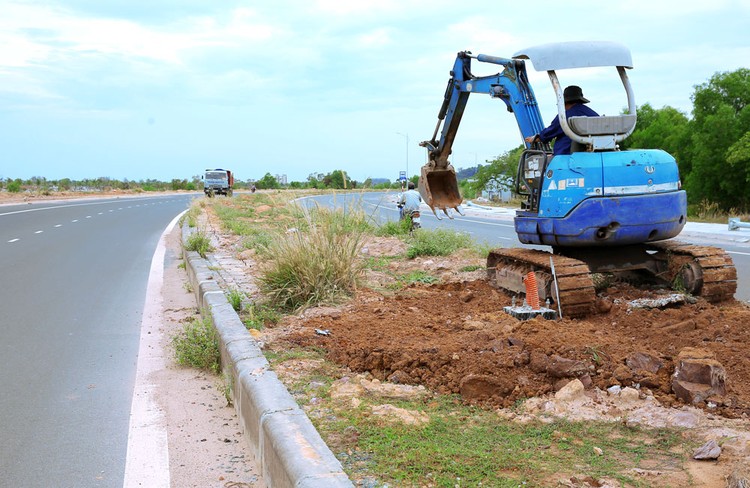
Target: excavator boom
[[438, 184]]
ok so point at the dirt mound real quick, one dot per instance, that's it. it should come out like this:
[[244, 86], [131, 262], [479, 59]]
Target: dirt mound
[[456, 338]]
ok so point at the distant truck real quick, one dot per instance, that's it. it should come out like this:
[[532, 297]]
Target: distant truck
[[218, 182]]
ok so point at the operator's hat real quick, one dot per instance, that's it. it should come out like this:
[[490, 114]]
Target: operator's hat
[[573, 93]]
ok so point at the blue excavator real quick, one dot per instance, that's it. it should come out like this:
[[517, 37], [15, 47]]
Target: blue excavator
[[602, 210]]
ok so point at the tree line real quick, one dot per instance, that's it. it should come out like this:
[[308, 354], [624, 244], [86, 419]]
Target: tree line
[[712, 147], [336, 180]]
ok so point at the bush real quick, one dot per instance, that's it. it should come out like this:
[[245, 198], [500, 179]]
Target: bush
[[198, 346], [14, 186], [316, 265], [199, 242]]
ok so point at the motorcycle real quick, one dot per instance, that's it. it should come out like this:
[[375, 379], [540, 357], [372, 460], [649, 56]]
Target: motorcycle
[[415, 221]]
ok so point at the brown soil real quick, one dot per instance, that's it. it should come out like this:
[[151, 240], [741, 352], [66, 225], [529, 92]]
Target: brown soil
[[455, 337]]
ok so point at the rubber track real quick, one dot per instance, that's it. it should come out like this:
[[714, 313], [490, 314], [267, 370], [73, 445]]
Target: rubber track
[[719, 273], [577, 294]]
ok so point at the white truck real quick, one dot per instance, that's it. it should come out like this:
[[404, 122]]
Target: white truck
[[218, 182]]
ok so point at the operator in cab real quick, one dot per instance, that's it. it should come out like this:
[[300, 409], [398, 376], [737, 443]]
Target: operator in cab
[[409, 201], [574, 107]]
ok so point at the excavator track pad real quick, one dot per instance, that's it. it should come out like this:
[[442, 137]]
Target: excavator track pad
[[569, 289], [703, 271]]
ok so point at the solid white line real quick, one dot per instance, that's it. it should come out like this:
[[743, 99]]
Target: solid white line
[[740, 253], [147, 461]]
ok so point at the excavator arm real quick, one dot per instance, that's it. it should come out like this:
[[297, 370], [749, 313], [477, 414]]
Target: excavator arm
[[438, 183]]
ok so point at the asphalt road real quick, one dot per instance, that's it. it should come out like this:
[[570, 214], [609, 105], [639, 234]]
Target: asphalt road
[[73, 278], [499, 231]]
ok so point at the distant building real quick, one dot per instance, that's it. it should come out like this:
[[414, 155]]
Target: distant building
[[498, 191], [282, 180]]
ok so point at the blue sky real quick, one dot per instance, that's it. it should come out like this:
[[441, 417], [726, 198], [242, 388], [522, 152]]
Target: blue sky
[[166, 88]]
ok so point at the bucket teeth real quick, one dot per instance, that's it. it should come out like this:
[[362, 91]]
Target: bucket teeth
[[439, 188]]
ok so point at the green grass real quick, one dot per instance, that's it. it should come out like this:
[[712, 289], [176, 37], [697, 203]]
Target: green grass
[[417, 277], [710, 212], [257, 316], [466, 446], [198, 346], [438, 242], [258, 239], [393, 228], [192, 216], [199, 242], [235, 297]]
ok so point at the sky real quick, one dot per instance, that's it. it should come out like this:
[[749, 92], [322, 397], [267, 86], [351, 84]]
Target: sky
[[163, 89]]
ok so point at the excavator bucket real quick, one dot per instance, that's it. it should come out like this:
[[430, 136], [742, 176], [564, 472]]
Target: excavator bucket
[[439, 188]]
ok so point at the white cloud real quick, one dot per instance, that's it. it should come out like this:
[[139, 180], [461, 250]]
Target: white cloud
[[374, 39]]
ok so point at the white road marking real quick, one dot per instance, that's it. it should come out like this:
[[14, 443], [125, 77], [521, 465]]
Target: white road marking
[[740, 253], [147, 460], [14, 240], [75, 220], [37, 209], [58, 225], [38, 232]]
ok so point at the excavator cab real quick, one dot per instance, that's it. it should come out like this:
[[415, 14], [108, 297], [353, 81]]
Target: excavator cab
[[530, 175]]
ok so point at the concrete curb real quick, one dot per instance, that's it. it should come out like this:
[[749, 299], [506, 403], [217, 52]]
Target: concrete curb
[[289, 451]]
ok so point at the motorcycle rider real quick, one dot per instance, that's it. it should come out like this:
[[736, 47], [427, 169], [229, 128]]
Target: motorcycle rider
[[409, 201]]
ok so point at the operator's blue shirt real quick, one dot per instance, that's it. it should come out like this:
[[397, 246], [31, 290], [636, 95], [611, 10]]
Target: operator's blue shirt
[[554, 131]]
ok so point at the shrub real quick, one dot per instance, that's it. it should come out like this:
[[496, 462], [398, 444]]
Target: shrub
[[319, 264], [199, 242], [198, 346]]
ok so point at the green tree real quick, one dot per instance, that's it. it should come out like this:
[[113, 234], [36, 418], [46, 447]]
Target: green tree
[[666, 128], [721, 121], [335, 180], [315, 180], [268, 182], [501, 171], [14, 186]]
